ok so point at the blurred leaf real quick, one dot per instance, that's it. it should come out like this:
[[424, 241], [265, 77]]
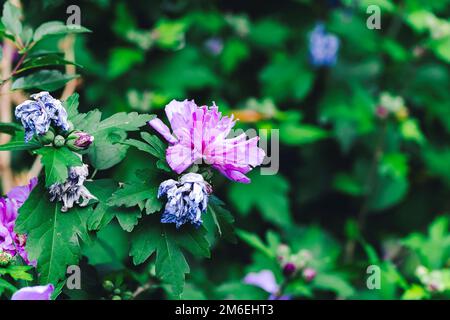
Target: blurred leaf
[[335, 283], [269, 194], [234, 52], [286, 78], [11, 18], [254, 241], [269, 33], [298, 134], [44, 61], [52, 28], [122, 60]]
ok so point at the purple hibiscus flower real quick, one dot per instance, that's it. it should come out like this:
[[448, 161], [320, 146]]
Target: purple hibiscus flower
[[34, 293], [200, 134], [265, 279], [10, 242]]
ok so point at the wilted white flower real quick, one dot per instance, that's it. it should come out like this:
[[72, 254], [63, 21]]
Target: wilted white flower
[[73, 190]]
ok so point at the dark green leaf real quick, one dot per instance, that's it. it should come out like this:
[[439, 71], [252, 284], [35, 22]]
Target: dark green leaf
[[56, 162], [49, 80], [53, 237]]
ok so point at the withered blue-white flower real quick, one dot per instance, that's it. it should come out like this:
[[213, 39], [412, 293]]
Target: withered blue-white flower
[[39, 114], [187, 199], [72, 191]]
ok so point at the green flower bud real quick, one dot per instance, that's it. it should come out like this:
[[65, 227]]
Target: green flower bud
[[116, 291], [59, 141], [108, 285], [47, 138], [116, 298]]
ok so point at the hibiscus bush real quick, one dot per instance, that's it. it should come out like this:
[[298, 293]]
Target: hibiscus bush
[[224, 150]]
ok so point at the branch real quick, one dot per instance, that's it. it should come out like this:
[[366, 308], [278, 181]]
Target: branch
[[6, 174]]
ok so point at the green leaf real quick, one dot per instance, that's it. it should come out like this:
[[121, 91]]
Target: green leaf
[[269, 194], [222, 218], [171, 266], [10, 128], [122, 60], [49, 80], [334, 282], [44, 61], [53, 237], [298, 134], [108, 148], [254, 241], [104, 213], [71, 105], [131, 195], [56, 162], [153, 204], [128, 218], [18, 143], [111, 247], [52, 28], [11, 18], [17, 272]]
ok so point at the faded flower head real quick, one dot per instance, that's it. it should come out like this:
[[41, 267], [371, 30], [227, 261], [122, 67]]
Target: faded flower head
[[323, 47], [200, 133], [39, 114], [187, 199], [72, 191], [34, 293], [10, 242]]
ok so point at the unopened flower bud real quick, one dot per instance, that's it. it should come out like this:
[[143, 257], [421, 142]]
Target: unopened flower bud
[[283, 250], [79, 140], [382, 112], [108, 285], [5, 259], [116, 298], [47, 138], [59, 141], [309, 274], [289, 269]]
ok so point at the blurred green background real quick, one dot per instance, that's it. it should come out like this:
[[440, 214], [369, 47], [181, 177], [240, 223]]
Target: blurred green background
[[354, 188]]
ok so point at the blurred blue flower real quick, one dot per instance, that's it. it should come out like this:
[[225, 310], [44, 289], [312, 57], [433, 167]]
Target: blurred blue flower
[[323, 47], [214, 46], [187, 199], [37, 116]]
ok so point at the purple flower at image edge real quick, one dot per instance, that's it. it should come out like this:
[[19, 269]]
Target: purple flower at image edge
[[323, 47], [34, 293], [200, 133], [265, 279], [10, 242]]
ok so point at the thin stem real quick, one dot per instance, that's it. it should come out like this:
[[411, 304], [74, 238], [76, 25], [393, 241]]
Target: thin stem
[[142, 289]]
